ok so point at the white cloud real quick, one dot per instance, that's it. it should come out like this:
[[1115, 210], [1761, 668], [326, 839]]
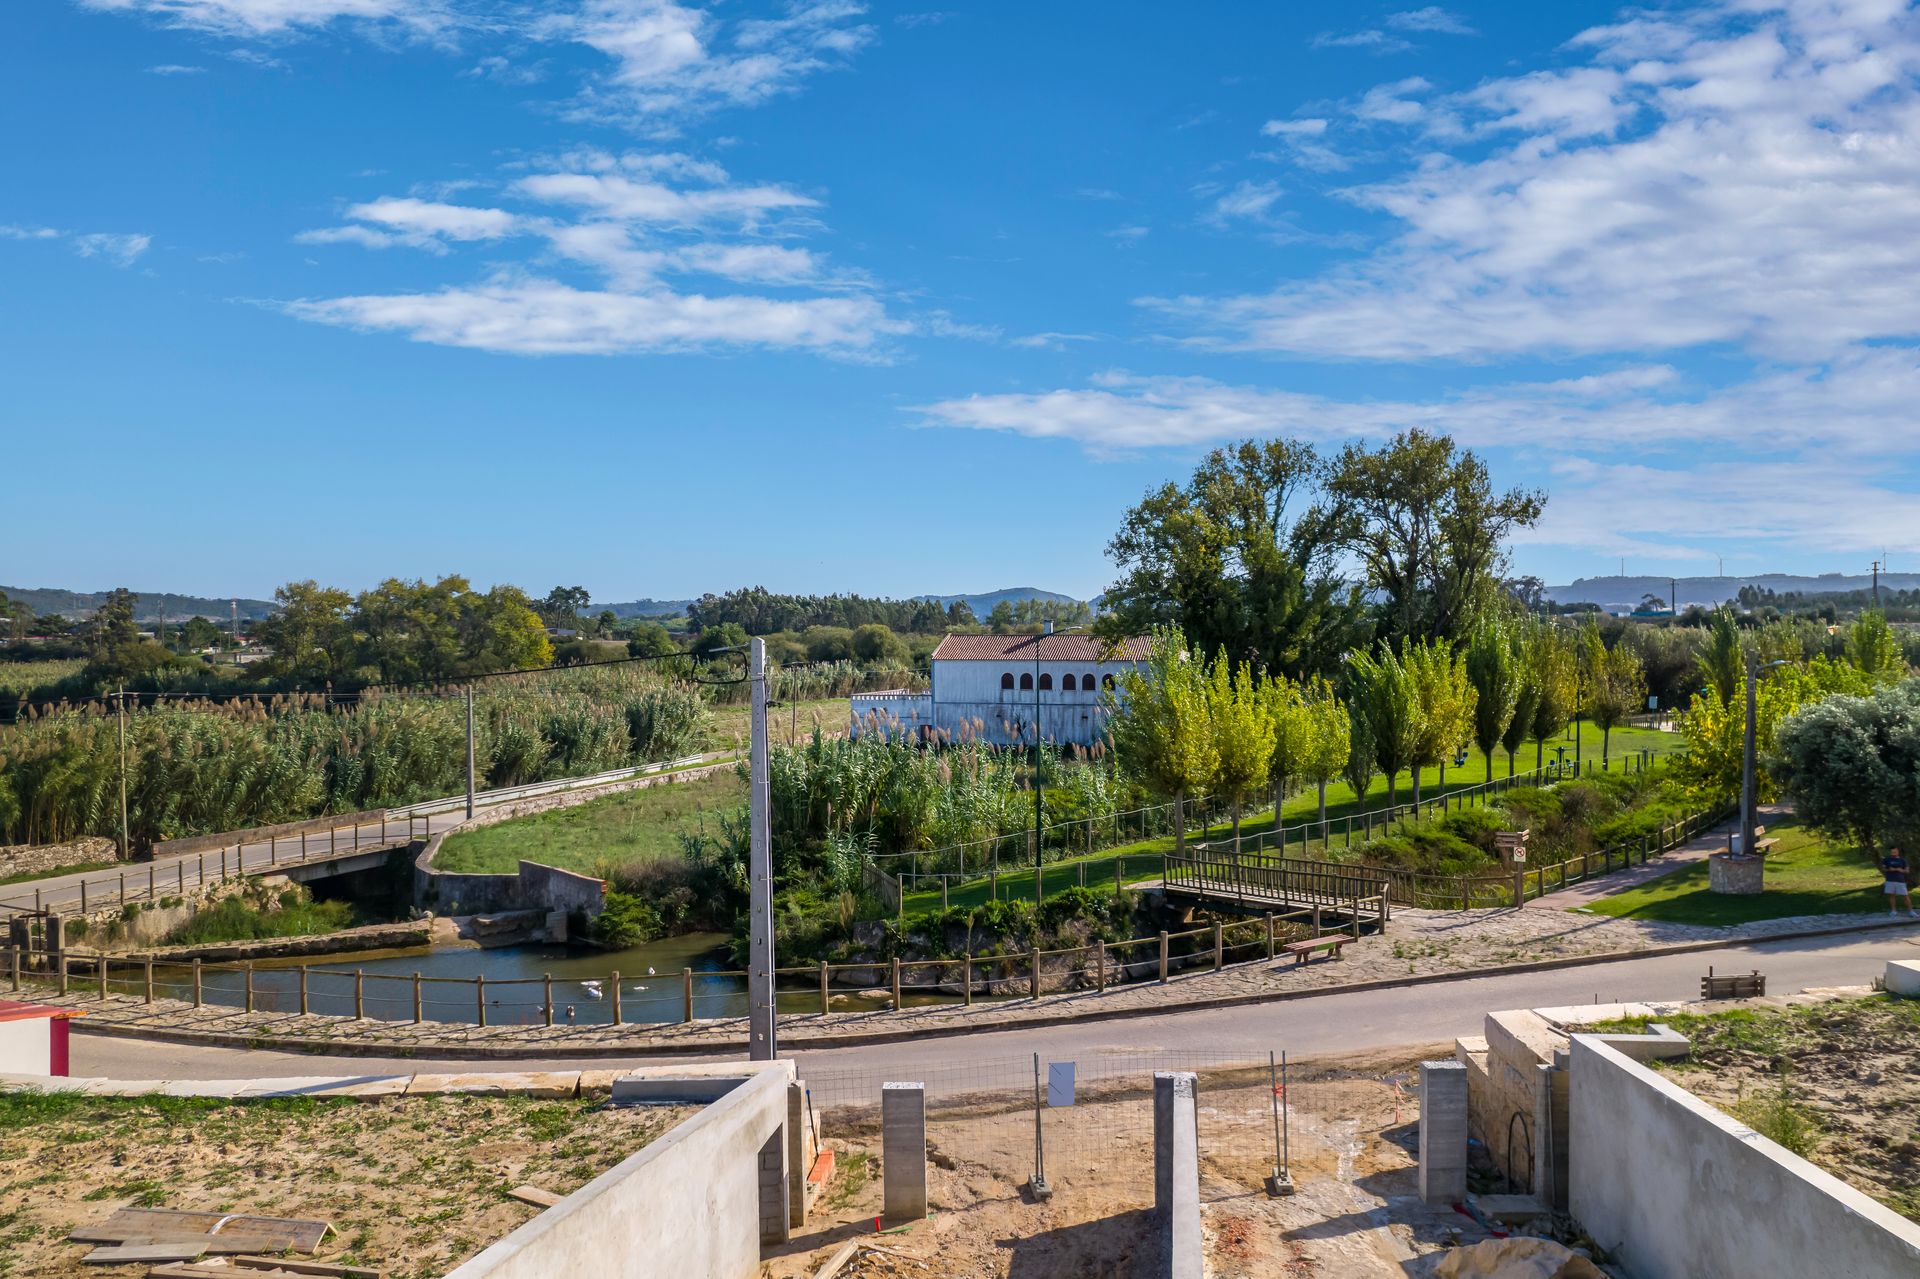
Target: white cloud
[[1432, 19], [1309, 128], [175, 68], [545, 317], [506, 71], [119, 248], [636, 222], [253, 18], [1373, 41], [1746, 176], [1131, 234], [1247, 201]]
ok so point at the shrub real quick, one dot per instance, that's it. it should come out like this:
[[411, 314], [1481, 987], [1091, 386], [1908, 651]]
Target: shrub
[[626, 920]]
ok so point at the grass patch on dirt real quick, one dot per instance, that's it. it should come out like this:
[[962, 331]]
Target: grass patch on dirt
[[1806, 874], [1837, 1083], [412, 1185], [633, 825]]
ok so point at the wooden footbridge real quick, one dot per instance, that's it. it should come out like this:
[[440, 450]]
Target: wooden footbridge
[[1217, 878]]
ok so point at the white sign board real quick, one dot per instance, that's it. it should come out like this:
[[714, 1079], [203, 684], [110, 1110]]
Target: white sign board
[[1059, 1083]]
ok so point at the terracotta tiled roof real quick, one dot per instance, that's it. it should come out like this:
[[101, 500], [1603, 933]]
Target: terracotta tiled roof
[[1053, 648]]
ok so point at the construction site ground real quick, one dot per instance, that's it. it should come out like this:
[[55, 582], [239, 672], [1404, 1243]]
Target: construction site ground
[[1352, 1131], [411, 1185]]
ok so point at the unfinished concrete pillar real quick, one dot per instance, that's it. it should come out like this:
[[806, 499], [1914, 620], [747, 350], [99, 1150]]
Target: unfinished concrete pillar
[[773, 1188], [800, 1153], [1176, 1173], [903, 1151], [1443, 1132]]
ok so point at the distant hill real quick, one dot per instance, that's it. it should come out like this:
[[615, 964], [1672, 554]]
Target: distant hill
[[178, 608], [983, 604], [1627, 592], [643, 608]]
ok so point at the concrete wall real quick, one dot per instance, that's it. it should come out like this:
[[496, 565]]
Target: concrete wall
[[532, 887], [1674, 1187], [1176, 1175], [964, 693], [688, 1206]]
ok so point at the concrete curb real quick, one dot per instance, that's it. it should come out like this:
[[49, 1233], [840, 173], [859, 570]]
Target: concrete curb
[[550, 1085], [798, 1040]]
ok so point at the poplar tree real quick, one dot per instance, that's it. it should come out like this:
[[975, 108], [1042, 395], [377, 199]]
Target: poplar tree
[[1446, 697], [1390, 701], [1558, 680], [1162, 732], [1523, 641], [1240, 712], [1493, 666], [1329, 734]]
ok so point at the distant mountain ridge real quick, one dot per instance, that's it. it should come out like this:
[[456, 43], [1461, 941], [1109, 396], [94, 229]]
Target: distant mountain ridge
[[983, 603], [1617, 592], [148, 608]]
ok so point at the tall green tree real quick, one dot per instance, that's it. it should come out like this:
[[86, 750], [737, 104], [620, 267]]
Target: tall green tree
[[1872, 647], [1161, 730], [1524, 638], [1556, 672], [1328, 732], [1850, 764], [1446, 704], [1239, 559], [1723, 662], [1358, 771], [1292, 733], [1494, 663], [1425, 523], [1617, 688], [1241, 715], [310, 634], [1386, 693]]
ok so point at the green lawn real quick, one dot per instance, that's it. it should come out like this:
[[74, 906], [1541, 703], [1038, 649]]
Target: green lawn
[[1099, 868], [1806, 875], [628, 826]]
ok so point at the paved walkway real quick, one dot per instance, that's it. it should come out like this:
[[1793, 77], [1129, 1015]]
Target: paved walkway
[[1423, 946], [1688, 854]]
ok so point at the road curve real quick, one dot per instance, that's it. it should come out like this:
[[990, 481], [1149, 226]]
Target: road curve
[[1321, 1025]]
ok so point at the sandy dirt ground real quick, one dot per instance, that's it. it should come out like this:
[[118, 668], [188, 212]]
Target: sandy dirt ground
[[412, 1186], [1351, 1128]]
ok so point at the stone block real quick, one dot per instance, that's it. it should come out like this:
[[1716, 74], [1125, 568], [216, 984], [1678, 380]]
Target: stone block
[[1903, 978], [1176, 1174], [903, 1150], [1443, 1132]]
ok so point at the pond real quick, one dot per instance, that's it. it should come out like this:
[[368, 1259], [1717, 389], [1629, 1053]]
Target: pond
[[509, 982]]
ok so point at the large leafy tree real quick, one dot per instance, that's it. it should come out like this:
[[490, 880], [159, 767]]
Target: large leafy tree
[[1524, 639], [310, 634], [1388, 697], [1161, 730], [1872, 647], [1494, 661], [1240, 712], [1715, 728], [1238, 560], [1852, 766], [1556, 676], [1616, 688], [1328, 735], [1425, 523], [1723, 661]]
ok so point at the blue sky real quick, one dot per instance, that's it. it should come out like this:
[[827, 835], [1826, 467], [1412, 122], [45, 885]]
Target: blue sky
[[662, 298]]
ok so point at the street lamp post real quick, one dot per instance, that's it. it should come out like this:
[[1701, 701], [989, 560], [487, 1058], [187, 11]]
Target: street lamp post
[[1749, 787], [1039, 875]]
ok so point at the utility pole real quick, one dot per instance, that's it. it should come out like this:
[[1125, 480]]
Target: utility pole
[[1673, 598], [1748, 785], [1039, 805], [469, 751], [1876, 583], [762, 1012], [120, 699]]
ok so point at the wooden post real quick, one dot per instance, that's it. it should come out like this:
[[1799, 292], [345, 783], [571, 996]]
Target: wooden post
[[826, 998], [1035, 992], [686, 994], [1100, 965], [546, 1001], [1356, 912], [303, 990], [480, 999], [147, 979], [63, 964], [893, 971], [180, 877], [14, 965], [123, 888], [1219, 946], [196, 984], [203, 871], [613, 990], [1163, 956], [966, 978], [83, 896], [1270, 935], [246, 976], [273, 850], [417, 1009], [1316, 922], [151, 870], [1119, 873], [101, 960], [359, 994]]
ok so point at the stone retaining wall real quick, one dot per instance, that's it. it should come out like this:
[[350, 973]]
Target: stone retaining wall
[[409, 933], [47, 859]]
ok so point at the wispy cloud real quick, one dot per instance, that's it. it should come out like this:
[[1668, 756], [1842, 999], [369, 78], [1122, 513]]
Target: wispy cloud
[[254, 18], [1391, 37], [118, 248], [175, 68], [1432, 19], [642, 224]]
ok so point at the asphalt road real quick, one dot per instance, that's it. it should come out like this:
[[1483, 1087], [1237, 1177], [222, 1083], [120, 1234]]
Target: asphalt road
[[1320, 1026]]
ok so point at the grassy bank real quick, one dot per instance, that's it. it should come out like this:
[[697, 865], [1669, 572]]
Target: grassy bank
[[1806, 874], [635, 825], [255, 917]]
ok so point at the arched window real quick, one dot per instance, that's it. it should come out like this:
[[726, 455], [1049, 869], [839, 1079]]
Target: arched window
[[1046, 683], [1026, 682], [1006, 681], [1106, 681], [1086, 681], [1067, 685]]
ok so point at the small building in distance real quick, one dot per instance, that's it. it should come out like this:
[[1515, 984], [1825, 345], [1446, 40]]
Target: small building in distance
[[995, 688]]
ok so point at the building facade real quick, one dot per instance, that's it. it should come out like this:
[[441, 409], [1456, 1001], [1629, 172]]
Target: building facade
[[997, 688]]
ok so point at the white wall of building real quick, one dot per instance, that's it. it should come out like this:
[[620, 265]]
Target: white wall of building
[[969, 698]]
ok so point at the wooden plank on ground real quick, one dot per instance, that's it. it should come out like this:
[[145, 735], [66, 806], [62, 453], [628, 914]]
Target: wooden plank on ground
[[838, 1261], [216, 1232], [262, 1268], [126, 1254], [534, 1195]]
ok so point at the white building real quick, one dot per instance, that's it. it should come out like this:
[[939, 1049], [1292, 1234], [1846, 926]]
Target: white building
[[994, 688]]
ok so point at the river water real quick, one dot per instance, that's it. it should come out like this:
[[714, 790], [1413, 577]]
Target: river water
[[514, 991]]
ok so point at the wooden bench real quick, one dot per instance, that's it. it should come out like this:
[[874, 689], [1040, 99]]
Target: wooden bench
[[1302, 950], [1737, 986]]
